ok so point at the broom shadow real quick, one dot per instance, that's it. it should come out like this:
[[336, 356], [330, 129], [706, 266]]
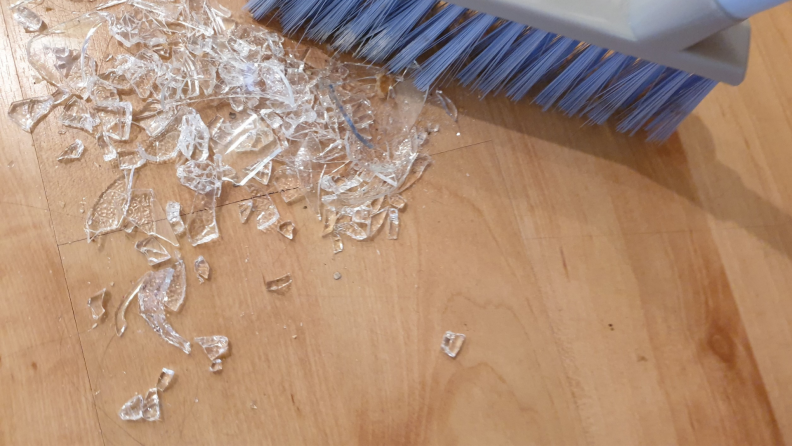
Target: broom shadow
[[667, 164]]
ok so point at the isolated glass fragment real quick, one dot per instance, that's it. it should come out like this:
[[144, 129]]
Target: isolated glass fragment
[[110, 208], [268, 213], [76, 114], [27, 112], [393, 224], [245, 209], [338, 244], [151, 299], [166, 378], [336, 275], [279, 284], [216, 348], [120, 314], [27, 19], [132, 410], [202, 269], [286, 229], [97, 304], [452, 343], [447, 104], [73, 152], [173, 212], [153, 250]]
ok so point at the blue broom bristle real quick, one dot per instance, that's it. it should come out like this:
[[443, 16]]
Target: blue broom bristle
[[491, 55]]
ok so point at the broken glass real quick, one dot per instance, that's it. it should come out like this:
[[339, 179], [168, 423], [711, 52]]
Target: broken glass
[[153, 250], [151, 299], [97, 304], [329, 221], [376, 222], [145, 213], [286, 229], [202, 269], [452, 343], [115, 119], [397, 201], [120, 314], [132, 410], [216, 348], [111, 206], [151, 405], [177, 290], [338, 244], [351, 229], [201, 222], [166, 378], [288, 183], [393, 223], [76, 114], [173, 212], [73, 152], [279, 284], [268, 213], [245, 209], [28, 112], [445, 102], [27, 19]]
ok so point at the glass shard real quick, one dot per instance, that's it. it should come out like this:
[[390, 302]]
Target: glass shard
[[393, 224], [73, 152], [329, 221], [201, 222], [336, 275], [132, 410], [115, 119], [351, 229], [288, 183], [145, 213], [27, 19], [202, 269], [173, 212], [120, 314], [166, 378], [268, 213], [97, 304], [151, 299], [216, 348], [338, 244], [286, 229], [151, 405], [452, 343], [397, 201], [245, 209], [76, 114], [177, 291], [28, 112], [110, 208], [447, 104], [279, 284], [153, 250], [376, 222]]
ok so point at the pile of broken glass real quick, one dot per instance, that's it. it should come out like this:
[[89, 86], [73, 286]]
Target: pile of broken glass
[[340, 136]]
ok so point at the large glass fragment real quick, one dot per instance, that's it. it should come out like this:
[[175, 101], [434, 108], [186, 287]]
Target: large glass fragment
[[202, 269], [201, 222], [153, 250], [176, 292], [27, 112], [216, 348], [145, 213], [279, 284], [452, 343], [111, 206], [151, 299], [115, 119], [73, 152], [76, 114], [268, 213]]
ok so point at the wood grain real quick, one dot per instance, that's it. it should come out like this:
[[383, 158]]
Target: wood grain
[[612, 291]]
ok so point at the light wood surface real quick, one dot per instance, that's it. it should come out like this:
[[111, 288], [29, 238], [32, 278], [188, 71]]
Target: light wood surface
[[612, 291]]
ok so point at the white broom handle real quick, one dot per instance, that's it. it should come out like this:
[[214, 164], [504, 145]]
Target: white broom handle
[[742, 9]]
